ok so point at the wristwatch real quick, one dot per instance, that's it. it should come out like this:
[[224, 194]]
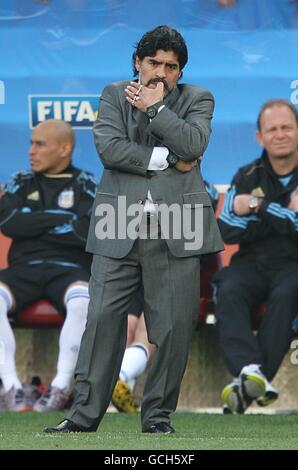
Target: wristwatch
[[253, 204], [172, 159], [152, 111]]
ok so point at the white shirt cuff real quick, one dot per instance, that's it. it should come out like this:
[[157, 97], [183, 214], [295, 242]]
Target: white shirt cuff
[[158, 160]]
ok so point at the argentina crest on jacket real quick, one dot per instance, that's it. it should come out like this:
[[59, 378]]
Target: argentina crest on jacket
[[66, 199]]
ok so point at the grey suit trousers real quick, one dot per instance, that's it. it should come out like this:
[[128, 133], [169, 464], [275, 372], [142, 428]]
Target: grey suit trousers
[[171, 291]]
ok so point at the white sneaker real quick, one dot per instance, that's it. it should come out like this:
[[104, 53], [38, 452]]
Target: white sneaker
[[15, 400], [270, 395], [256, 386], [53, 399], [233, 399]]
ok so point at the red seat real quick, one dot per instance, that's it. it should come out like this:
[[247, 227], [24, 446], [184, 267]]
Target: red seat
[[257, 316], [41, 314], [214, 263], [209, 265]]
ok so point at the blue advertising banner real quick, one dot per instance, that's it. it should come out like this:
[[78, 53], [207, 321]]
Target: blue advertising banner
[[79, 110], [58, 56]]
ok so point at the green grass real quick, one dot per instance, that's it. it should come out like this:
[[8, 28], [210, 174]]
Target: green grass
[[23, 431]]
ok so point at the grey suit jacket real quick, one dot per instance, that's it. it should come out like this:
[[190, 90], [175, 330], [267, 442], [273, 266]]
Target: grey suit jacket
[[125, 138]]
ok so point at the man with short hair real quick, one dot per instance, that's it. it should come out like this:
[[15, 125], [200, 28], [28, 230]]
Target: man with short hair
[[46, 212], [150, 133], [261, 214]]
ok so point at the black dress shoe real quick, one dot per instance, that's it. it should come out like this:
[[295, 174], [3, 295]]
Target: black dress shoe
[[162, 428], [69, 426]]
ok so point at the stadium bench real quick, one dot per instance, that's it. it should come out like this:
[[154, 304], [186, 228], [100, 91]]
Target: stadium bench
[[42, 314]]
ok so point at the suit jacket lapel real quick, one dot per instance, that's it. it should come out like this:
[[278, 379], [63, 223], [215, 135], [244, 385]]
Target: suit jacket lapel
[[141, 120]]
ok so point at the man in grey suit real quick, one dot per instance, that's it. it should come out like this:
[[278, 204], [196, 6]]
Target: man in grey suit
[[152, 219]]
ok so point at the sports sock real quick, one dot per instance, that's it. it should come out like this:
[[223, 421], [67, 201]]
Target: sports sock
[[8, 371], [76, 300], [134, 362]]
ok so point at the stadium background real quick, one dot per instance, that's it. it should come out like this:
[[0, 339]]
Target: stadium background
[[69, 50]]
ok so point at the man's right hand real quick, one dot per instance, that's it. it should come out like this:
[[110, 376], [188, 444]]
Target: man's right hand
[[146, 96], [293, 204], [241, 204]]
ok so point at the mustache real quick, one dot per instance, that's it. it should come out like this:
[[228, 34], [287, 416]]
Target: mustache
[[157, 80]]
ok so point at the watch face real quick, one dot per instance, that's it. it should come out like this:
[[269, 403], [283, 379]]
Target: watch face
[[172, 159], [151, 112], [253, 203]]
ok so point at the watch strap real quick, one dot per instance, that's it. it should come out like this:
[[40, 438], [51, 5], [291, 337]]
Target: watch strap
[[152, 110]]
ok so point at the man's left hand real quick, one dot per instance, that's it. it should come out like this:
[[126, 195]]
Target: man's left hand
[[185, 167]]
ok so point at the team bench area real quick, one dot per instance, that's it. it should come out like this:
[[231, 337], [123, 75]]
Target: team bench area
[[43, 315], [37, 334]]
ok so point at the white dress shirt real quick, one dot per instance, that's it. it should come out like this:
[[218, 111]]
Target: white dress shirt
[[158, 162]]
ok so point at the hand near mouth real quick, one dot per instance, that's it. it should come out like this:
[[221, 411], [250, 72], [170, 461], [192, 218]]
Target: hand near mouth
[[143, 97]]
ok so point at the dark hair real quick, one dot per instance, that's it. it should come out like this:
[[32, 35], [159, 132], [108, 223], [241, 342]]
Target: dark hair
[[279, 103], [165, 38]]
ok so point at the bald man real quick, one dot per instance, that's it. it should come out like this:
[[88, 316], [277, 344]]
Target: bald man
[[46, 212]]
